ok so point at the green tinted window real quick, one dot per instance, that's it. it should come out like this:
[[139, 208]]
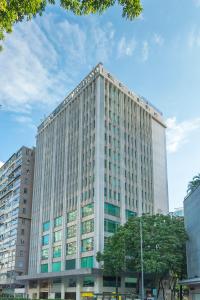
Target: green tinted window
[[57, 236], [57, 251], [70, 264], [88, 281], [45, 240], [44, 268], [71, 231], [130, 214], [87, 262], [88, 210], [46, 226], [45, 253], [58, 221], [87, 245], [71, 248], [71, 216], [111, 209], [56, 266], [110, 226], [87, 226]]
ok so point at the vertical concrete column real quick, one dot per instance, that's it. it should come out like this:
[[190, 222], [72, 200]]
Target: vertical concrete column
[[78, 290], [98, 285], [62, 290]]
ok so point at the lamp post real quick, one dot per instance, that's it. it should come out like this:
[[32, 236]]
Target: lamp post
[[141, 260]]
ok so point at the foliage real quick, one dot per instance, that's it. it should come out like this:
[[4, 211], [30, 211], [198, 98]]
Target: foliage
[[193, 184], [14, 11], [164, 240]]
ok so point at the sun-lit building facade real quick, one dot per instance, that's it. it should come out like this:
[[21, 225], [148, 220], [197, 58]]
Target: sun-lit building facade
[[100, 158]]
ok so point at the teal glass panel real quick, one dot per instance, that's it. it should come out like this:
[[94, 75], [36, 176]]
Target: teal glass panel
[[45, 253], [45, 240], [130, 214], [56, 266], [57, 252], [87, 226], [111, 226], [58, 221], [87, 245], [88, 210], [111, 209], [71, 248], [44, 268], [88, 281], [71, 216], [70, 264], [46, 226], [57, 236], [87, 262]]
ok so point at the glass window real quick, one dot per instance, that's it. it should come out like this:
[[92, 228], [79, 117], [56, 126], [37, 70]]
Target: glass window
[[87, 262], [45, 253], [71, 248], [58, 221], [130, 214], [109, 281], [111, 209], [110, 226], [71, 231], [56, 251], [87, 226], [130, 282], [87, 244], [88, 281], [44, 268], [88, 210], [45, 239], [57, 236], [46, 226], [56, 266], [71, 216], [70, 264]]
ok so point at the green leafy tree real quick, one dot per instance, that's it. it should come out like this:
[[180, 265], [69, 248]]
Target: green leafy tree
[[14, 11], [164, 240], [193, 184]]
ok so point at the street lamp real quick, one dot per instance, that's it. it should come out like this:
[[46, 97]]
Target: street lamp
[[141, 261]]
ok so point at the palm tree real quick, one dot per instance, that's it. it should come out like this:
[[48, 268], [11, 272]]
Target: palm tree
[[193, 184]]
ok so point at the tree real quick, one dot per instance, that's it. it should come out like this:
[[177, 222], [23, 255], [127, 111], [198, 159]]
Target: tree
[[193, 184], [164, 240], [14, 11]]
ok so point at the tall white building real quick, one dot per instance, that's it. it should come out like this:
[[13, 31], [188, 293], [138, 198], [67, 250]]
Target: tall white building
[[100, 158], [16, 182]]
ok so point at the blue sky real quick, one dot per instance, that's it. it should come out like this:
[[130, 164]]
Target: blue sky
[[157, 56]]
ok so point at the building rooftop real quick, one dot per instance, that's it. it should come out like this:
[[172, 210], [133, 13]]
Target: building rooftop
[[100, 70]]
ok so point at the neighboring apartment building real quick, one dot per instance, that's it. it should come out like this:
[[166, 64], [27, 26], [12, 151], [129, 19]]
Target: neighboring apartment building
[[192, 226], [100, 158], [16, 180]]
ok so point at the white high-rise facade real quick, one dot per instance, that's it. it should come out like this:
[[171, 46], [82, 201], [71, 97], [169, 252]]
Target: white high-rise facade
[[100, 158]]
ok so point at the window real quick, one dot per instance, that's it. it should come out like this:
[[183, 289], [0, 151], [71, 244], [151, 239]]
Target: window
[[87, 244], [44, 268], [71, 216], [56, 251], [111, 209], [45, 240], [130, 214], [70, 264], [58, 221], [87, 226], [109, 281], [88, 281], [71, 248], [56, 266], [46, 226], [88, 210], [57, 236], [87, 262], [130, 282], [110, 226], [71, 231], [45, 253], [25, 190]]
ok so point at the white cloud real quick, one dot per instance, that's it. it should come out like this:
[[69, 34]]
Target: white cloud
[[145, 51], [42, 60], [194, 38], [178, 133], [158, 39], [25, 120], [1, 164], [126, 47]]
